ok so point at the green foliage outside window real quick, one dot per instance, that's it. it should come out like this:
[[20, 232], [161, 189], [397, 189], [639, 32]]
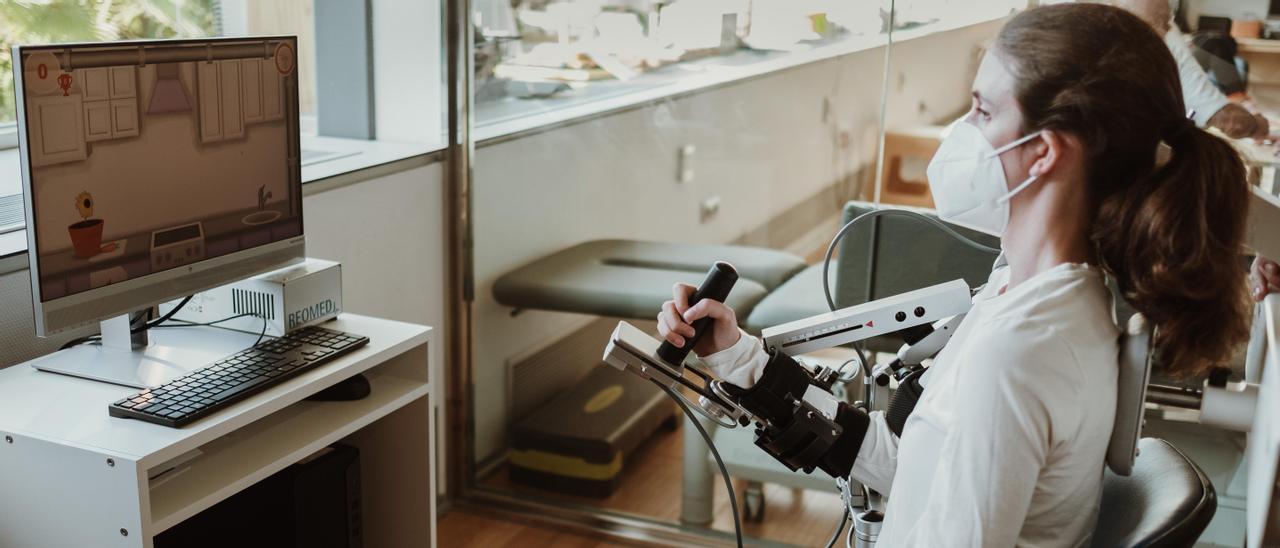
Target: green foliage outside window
[[53, 21]]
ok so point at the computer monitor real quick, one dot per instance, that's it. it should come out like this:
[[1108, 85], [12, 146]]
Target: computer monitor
[[152, 170]]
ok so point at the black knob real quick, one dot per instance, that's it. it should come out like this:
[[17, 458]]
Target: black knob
[[1219, 376], [715, 286], [900, 316], [919, 311]]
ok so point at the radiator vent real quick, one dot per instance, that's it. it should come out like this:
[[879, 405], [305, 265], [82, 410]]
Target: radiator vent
[[11, 214], [257, 303], [537, 376]]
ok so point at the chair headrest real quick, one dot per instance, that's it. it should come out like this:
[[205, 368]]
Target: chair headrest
[[1131, 394]]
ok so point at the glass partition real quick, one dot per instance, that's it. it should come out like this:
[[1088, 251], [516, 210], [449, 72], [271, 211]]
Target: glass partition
[[540, 62], [618, 144]]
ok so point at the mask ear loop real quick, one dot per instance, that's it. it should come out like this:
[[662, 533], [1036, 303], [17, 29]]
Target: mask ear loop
[[1017, 189], [1024, 184], [1015, 144]]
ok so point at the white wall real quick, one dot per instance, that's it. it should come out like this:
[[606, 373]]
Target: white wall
[[389, 235], [762, 146]]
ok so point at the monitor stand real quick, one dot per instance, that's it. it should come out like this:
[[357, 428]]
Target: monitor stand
[[146, 359]]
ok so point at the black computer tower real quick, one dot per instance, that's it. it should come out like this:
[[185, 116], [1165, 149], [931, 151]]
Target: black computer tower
[[314, 503]]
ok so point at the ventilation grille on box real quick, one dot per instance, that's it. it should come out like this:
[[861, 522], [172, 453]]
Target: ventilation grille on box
[[257, 303]]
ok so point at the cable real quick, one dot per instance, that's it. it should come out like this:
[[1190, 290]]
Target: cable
[[167, 315], [264, 329], [862, 363], [134, 329], [185, 323], [724, 472], [826, 260]]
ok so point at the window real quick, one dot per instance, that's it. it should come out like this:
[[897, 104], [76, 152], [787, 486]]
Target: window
[[384, 53], [371, 74], [540, 62], [28, 22]]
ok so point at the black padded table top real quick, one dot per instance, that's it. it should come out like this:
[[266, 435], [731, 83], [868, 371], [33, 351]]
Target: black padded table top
[[631, 279]]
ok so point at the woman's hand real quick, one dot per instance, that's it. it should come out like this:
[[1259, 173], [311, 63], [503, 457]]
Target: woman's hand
[[676, 316], [1237, 122], [1265, 276]]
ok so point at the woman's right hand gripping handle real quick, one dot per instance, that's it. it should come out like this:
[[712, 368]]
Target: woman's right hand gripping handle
[[676, 318]]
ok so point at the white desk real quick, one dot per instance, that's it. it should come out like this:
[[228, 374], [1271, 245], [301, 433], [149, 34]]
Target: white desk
[[70, 475]]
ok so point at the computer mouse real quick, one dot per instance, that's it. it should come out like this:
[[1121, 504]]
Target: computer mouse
[[353, 388]]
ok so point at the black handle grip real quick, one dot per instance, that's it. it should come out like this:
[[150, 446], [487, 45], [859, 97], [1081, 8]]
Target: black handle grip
[[716, 286]]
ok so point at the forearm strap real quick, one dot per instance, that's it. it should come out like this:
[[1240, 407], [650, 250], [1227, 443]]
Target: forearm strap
[[796, 433]]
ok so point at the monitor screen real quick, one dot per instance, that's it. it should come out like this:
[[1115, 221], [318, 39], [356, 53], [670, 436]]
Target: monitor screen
[[148, 157]]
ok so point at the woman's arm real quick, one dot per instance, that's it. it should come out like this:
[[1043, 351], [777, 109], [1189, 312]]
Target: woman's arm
[[741, 364]]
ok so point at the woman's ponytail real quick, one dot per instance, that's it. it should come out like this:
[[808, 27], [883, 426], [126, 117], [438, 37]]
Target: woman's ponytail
[[1169, 233], [1172, 243]]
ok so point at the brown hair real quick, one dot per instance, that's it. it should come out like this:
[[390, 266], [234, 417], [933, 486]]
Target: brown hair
[[1170, 235]]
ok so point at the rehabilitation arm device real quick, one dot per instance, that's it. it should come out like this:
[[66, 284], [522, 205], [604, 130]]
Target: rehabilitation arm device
[[798, 420]]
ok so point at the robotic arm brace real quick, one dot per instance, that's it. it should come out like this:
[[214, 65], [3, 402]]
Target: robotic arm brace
[[798, 420]]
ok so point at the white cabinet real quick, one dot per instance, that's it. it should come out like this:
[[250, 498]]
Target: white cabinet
[[74, 476], [124, 82], [222, 113], [57, 132], [272, 91], [97, 120], [110, 102], [251, 88], [260, 85], [124, 117], [95, 84], [232, 108], [208, 100]]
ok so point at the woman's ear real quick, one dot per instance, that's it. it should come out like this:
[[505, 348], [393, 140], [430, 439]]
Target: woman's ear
[[1048, 152]]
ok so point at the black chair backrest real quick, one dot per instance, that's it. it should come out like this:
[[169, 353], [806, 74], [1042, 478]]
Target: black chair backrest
[[1166, 501]]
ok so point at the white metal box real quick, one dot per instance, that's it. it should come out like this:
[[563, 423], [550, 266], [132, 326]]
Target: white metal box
[[295, 296]]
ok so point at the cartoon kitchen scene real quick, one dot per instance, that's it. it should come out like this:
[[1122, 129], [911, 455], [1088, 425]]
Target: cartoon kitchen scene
[[113, 129]]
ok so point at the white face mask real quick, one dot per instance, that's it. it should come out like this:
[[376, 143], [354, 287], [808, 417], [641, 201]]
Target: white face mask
[[967, 180]]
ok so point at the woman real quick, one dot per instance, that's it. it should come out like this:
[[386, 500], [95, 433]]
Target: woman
[[1058, 156]]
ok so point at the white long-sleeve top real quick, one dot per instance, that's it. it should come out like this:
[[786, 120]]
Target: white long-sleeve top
[[1198, 92], [1007, 444]]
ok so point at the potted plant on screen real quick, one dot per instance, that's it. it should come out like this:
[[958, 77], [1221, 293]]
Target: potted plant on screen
[[86, 235]]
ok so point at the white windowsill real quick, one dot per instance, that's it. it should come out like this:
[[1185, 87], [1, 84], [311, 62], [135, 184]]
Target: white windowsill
[[353, 155]]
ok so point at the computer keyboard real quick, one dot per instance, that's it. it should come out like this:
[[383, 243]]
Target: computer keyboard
[[214, 387]]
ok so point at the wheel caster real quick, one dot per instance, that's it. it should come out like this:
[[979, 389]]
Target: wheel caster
[[753, 502]]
